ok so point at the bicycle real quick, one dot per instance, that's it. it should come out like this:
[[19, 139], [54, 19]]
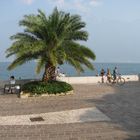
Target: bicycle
[[119, 80]]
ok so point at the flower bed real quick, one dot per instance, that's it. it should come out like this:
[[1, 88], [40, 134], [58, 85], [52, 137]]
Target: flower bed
[[39, 88]]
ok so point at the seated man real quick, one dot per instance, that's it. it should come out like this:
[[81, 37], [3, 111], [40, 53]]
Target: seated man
[[12, 87], [12, 84]]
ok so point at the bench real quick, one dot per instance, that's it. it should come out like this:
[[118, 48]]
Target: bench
[[15, 88]]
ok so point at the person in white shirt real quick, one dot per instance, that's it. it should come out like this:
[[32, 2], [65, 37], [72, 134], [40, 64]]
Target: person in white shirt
[[57, 72], [12, 82]]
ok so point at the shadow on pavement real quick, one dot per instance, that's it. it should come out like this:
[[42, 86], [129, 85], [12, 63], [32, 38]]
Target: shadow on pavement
[[122, 107], [134, 138]]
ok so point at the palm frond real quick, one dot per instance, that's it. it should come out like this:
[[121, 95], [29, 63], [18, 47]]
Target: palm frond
[[52, 40]]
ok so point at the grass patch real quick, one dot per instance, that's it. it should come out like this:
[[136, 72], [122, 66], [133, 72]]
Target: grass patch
[[51, 87]]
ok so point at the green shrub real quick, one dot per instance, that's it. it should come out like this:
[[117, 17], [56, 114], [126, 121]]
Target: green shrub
[[51, 87]]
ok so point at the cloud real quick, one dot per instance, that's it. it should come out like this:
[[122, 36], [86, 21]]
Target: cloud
[[70, 4], [28, 2], [79, 5], [95, 2], [83, 7]]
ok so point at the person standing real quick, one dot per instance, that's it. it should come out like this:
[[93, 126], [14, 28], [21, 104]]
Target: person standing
[[108, 74], [115, 73], [102, 73], [57, 72]]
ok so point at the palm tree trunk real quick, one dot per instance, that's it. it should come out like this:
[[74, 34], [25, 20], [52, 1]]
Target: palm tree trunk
[[49, 73]]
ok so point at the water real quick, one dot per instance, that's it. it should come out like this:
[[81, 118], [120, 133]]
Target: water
[[27, 71]]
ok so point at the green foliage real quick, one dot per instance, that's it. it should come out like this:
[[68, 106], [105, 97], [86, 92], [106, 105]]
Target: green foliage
[[50, 87], [52, 39]]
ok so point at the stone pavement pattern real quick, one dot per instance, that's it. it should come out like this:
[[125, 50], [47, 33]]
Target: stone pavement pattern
[[120, 104], [82, 115]]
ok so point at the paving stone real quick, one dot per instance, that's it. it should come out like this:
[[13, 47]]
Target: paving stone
[[120, 104]]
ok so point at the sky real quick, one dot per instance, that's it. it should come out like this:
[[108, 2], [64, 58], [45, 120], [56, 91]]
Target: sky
[[113, 25]]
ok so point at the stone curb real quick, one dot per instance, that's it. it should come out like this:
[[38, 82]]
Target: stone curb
[[27, 95]]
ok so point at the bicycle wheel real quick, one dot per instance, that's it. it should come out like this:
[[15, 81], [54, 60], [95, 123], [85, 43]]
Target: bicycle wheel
[[121, 81], [109, 82]]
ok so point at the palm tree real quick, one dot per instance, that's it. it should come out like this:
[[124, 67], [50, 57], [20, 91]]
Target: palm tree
[[51, 41]]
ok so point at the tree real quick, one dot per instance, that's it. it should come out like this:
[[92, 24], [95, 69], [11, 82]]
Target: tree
[[51, 41]]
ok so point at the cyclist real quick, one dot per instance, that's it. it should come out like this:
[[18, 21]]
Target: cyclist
[[108, 75], [115, 73], [116, 77]]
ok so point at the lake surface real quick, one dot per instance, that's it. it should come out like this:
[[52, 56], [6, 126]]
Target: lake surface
[[27, 71]]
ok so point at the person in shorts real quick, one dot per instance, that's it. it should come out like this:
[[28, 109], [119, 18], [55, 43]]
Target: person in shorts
[[108, 75], [102, 73]]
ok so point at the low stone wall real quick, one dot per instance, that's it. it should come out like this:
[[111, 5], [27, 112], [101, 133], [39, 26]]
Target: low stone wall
[[129, 78], [75, 80], [94, 79]]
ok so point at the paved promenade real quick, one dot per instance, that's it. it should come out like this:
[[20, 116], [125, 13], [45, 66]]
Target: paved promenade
[[117, 111]]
